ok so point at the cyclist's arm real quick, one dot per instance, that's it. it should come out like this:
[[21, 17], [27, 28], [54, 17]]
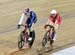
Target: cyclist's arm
[[49, 22], [21, 19], [58, 22]]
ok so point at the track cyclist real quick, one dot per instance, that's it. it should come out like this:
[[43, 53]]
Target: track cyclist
[[54, 20], [30, 21]]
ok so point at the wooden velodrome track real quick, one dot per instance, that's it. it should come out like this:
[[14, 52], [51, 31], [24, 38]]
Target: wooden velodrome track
[[10, 12]]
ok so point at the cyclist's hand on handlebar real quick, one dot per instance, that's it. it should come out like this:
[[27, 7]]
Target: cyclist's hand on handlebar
[[45, 26], [18, 26]]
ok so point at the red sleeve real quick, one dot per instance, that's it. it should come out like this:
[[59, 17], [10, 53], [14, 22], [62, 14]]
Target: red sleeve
[[58, 19]]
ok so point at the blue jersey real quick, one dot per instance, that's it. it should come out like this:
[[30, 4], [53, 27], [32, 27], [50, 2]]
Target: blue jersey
[[32, 19]]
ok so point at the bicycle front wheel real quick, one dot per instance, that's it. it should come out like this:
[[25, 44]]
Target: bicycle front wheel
[[44, 41], [20, 41]]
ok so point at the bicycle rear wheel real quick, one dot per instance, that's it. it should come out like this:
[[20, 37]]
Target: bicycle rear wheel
[[32, 35], [20, 41]]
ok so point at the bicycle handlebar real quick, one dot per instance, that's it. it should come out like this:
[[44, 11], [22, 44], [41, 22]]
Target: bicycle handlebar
[[49, 26], [22, 25], [26, 26]]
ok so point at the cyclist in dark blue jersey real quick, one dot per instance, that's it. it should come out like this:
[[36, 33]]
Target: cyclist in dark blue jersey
[[30, 21]]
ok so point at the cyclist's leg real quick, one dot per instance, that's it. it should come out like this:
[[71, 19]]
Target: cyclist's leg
[[27, 35], [32, 37], [27, 28], [30, 34], [29, 39], [53, 36], [53, 33], [48, 31]]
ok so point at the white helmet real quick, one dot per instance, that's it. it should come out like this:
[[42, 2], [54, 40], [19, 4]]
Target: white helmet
[[53, 12]]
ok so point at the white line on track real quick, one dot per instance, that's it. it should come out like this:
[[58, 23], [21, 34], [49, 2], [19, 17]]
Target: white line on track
[[67, 51]]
